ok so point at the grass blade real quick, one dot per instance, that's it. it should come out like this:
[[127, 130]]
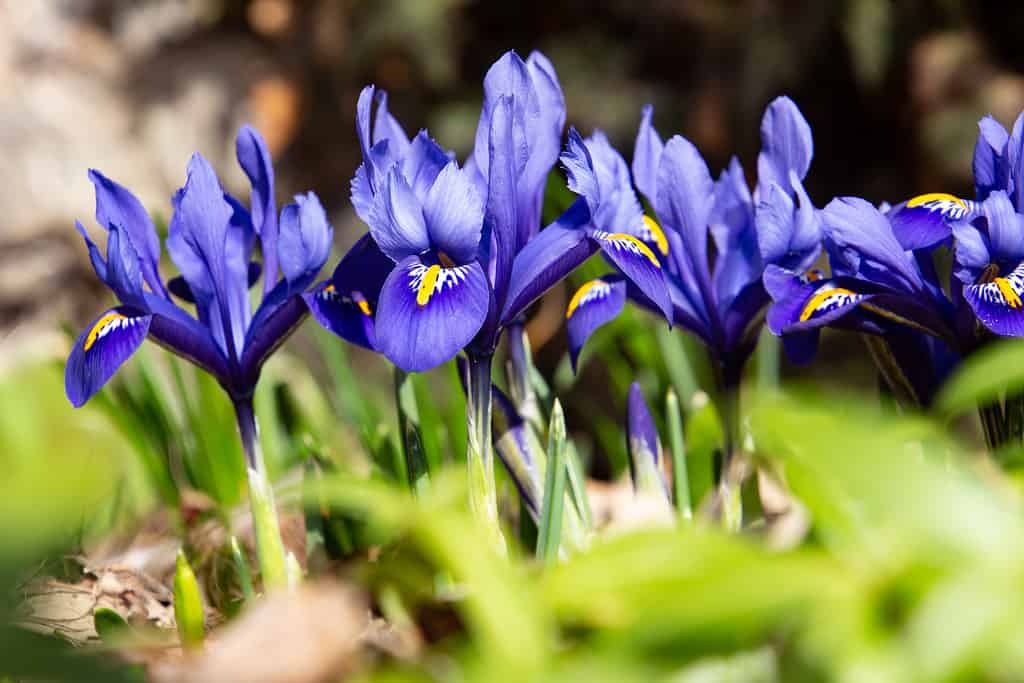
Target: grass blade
[[677, 450], [550, 526]]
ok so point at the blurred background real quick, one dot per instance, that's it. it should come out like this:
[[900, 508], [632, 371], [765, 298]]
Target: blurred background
[[892, 91]]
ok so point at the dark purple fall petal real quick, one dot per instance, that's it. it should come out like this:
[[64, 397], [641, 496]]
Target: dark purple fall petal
[[101, 349], [595, 303]]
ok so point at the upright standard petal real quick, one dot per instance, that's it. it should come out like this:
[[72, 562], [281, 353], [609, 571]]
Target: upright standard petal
[[788, 235], [305, 241], [684, 202], [197, 241], [422, 163], [579, 168], [990, 164], [454, 214], [647, 156], [396, 219], [595, 303], [498, 246], [428, 313], [786, 144], [866, 240], [101, 349], [971, 252], [538, 117], [1005, 228], [254, 158], [116, 206]]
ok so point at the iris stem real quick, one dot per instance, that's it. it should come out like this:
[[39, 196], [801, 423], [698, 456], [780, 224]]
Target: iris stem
[[483, 495], [730, 479], [269, 546]]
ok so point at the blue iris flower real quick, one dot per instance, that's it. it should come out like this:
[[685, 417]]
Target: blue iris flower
[[212, 237], [883, 280], [455, 254], [720, 303]]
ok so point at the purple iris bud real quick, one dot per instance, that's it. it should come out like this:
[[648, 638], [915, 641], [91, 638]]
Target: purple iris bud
[[645, 453], [211, 239]]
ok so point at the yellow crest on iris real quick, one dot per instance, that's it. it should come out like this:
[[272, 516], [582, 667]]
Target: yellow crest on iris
[[657, 233], [581, 294], [935, 197], [821, 298], [634, 243], [100, 328]]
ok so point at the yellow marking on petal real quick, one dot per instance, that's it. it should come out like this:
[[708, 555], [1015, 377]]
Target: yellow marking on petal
[[1008, 292], [364, 306], [644, 249], [94, 333], [329, 289], [935, 197], [820, 298], [577, 298], [427, 285], [659, 234]]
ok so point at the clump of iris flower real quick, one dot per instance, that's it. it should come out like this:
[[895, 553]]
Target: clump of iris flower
[[712, 240], [884, 283], [440, 270], [211, 239]]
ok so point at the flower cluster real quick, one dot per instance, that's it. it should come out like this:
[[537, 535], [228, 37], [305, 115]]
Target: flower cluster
[[456, 253]]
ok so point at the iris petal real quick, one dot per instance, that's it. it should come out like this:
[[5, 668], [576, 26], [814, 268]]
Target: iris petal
[[348, 316], [998, 304], [305, 241], [396, 219], [786, 144], [454, 214], [101, 349], [547, 258], [639, 264], [647, 155], [254, 158], [595, 303], [924, 221], [116, 206], [428, 313]]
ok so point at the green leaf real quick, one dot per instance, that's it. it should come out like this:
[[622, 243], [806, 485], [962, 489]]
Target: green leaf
[[677, 451], [188, 604], [551, 513], [984, 376], [109, 624]]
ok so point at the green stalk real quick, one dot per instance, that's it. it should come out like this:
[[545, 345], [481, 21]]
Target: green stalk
[[269, 546], [550, 528], [416, 466], [483, 494], [677, 449], [729, 484]]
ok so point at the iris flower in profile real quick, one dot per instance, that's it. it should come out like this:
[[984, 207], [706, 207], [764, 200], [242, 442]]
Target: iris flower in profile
[[721, 303], [212, 239]]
